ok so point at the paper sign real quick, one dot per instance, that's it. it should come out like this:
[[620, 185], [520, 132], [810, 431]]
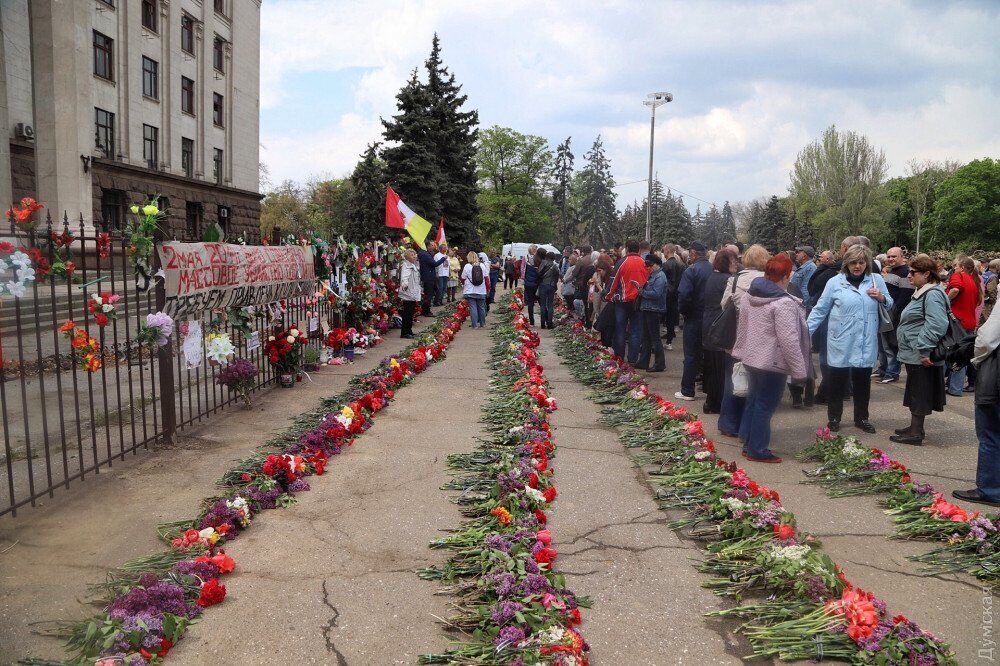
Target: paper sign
[[314, 324], [253, 342], [192, 345]]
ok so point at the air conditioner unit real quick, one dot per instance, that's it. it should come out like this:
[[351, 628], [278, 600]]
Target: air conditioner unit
[[24, 131]]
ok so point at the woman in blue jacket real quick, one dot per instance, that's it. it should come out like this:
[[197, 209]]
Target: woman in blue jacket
[[851, 300], [653, 305]]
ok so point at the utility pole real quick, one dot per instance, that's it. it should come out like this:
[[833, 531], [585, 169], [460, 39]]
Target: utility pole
[[653, 100]]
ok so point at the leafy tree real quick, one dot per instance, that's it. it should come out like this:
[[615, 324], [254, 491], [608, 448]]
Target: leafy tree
[[967, 207], [366, 202], [836, 183], [515, 174], [597, 197], [561, 193], [327, 205], [283, 210]]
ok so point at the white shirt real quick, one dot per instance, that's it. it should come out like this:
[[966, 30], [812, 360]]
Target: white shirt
[[468, 287], [442, 270]]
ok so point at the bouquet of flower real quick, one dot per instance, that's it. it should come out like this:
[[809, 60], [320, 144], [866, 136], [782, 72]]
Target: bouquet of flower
[[284, 350], [103, 308], [23, 213], [218, 347], [84, 346], [16, 270], [156, 331], [239, 377]]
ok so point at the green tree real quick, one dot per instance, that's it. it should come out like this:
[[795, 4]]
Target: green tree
[[598, 214], [563, 176], [366, 203], [515, 175], [836, 184], [966, 208], [327, 206], [632, 221], [671, 218], [768, 223], [411, 166], [727, 225], [283, 211]]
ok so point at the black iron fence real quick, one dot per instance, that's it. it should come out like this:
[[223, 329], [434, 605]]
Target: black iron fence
[[62, 423]]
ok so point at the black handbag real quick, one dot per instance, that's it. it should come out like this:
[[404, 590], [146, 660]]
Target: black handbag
[[721, 333], [948, 348]]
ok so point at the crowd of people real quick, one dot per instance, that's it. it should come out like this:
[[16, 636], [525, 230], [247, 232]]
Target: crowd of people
[[751, 323]]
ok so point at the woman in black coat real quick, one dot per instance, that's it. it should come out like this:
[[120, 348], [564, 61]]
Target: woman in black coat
[[714, 369]]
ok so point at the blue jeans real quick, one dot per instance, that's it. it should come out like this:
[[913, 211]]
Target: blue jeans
[[477, 309], [766, 389], [494, 278], [628, 320], [442, 289], [888, 364], [956, 382], [530, 298], [546, 301], [988, 467], [731, 413], [692, 355]]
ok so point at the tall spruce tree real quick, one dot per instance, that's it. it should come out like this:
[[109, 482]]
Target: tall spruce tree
[[711, 227], [675, 224], [698, 224], [454, 133], [561, 191], [431, 160], [597, 205], [727, 225], [366, 204]]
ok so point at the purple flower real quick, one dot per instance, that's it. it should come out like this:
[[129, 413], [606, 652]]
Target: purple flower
[[534, 584], [923, 488], [164, 323], [201, 570], [298, 485], [497, 542], [503, 584], [531, 567], [504, 612], [509, 636], [880, 464]]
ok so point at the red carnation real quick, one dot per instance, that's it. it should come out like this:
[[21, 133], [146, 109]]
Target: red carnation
[[544, 536], [784, 532], [533, 480], [549, 494], [540, 517], [574, 617], [101, 319], [211, 593], [545, 555]]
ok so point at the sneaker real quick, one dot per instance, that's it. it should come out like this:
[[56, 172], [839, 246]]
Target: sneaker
[[888, 380], [769, 458], [955, 395], [670, 346], [876, 373], [681, 396]]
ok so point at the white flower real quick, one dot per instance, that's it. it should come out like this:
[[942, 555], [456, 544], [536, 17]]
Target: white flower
[[791, 553], [733, 504], [535, 495], [294, 333], [852, 449], [270, 338], [20, 258], [290, 339], [26, 274], [343, 420], [703, 455], [107, 307], [219, 347], [3, 265], [97, 300], [206, 533], [16, 289]]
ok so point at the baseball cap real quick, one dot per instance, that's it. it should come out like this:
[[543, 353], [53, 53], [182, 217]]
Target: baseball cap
[[698, 246], [808, 249]]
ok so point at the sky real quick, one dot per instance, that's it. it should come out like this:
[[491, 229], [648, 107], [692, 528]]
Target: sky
[[753, 81]]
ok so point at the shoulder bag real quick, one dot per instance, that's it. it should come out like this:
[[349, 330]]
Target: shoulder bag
[[721, 333]]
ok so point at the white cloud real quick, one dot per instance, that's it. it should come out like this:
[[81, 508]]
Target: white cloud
[[753, 82]]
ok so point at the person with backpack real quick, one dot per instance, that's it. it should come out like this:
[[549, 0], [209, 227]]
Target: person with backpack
[[629, 278], [987, 362], [474, 288], [965, 290], [922, 323], [529, 271]]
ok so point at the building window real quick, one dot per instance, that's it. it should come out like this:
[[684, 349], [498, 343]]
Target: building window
[[192, 225], [217, 166], [187, 34], [113, 209], [224, 218], [187, 95], [218, 117], [150, 78], [187, 156], [109, 3], [218, 54], [104, 124], [104, 56], [149, 14], [151, 146], [220, 7]]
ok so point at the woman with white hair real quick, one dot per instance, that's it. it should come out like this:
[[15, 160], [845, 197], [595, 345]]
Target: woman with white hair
[[851, 302]]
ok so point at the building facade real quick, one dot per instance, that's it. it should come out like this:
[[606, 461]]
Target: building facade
[[112, 102]]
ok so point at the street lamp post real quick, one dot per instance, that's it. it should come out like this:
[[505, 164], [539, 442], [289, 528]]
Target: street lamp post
[[653, 100]]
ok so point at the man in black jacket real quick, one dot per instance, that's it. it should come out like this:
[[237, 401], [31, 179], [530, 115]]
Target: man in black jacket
[[428, 273], [691, 303], [673, 268]]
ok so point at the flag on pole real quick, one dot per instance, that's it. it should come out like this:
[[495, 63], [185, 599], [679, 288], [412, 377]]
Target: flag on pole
[[399, 216], [440, 238]]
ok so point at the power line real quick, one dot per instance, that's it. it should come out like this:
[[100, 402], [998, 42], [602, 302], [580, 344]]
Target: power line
[[672, 189]]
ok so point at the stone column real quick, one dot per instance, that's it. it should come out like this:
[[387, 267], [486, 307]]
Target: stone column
[[61, 49], [5, 129]]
